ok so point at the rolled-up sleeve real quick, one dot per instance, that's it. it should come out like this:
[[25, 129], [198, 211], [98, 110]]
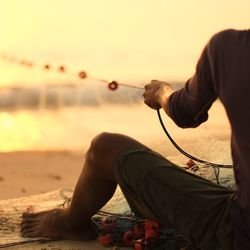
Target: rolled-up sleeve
[[188, 107]]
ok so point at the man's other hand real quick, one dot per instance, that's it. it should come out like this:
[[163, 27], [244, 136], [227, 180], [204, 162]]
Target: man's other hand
[[156, 94]]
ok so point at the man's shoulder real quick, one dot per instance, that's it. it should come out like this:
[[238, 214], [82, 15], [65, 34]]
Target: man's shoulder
[[223, 35], [226, 36], [225, 39]]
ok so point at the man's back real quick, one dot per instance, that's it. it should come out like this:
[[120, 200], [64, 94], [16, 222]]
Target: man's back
[[223, 71], [233, 82]]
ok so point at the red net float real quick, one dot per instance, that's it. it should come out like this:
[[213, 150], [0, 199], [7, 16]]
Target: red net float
[[129, 238], [113, 85], [61, 68], [138, 231], [151, 234], [22, 62], [47, 67], [150, 224], [29, 64], [190, 163], [106, 240], [82, 74], [139, 245]]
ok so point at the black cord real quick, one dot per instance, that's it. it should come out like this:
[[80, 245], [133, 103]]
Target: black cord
[[214, 165]]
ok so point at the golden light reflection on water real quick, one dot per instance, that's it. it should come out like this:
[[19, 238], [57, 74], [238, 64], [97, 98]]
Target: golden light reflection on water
[[70, 128], [18, 131], [73, 128]]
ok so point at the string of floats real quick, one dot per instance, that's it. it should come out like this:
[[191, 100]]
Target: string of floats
[[113, 85]]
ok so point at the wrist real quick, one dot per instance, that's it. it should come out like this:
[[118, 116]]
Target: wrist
[[163, 95]]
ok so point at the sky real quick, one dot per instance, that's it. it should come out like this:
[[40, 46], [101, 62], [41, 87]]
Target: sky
[[126, 40]]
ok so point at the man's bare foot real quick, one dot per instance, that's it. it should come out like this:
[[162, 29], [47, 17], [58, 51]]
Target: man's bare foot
[[55, 224]]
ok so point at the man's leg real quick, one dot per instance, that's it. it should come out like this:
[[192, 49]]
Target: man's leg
[[157, 189], [95, 186]]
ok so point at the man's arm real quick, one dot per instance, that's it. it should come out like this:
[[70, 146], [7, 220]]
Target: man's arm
[[156, 94], [188, 106]]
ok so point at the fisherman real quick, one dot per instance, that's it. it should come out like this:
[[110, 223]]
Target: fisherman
[[211, 216]]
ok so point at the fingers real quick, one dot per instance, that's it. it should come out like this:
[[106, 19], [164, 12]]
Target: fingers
[[156, 84], [153, 105], [156, 94], [150, 101], [153, 82], [159, 82]]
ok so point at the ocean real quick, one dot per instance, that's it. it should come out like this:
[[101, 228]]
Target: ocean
[[68, 116], [65, 118]]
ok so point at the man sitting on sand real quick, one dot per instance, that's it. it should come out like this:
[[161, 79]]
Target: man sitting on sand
[[211, 216]]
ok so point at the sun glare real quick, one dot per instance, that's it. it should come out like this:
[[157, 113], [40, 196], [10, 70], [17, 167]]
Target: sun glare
[[123, 39], [17, 131], [132, 41]]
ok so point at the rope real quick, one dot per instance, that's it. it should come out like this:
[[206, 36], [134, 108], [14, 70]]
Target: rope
[[65, 197], [215, 166], [18, 243], [113, 85]]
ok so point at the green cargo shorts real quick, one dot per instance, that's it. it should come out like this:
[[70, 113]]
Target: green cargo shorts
[[157, 189]]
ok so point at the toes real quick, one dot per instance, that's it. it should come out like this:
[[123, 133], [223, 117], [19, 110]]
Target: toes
[[26, 230], [27, 220], [28, 215], [28, 234], [26, 226], [43, 224], [31, 231], [27, 223]]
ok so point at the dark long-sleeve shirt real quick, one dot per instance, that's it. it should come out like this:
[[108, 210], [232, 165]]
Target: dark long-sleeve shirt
[[223, 71]]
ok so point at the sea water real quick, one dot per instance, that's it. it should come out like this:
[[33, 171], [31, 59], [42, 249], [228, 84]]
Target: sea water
[[67, 117]]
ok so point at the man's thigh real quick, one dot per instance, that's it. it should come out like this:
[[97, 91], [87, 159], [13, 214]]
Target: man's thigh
[[157, 189]]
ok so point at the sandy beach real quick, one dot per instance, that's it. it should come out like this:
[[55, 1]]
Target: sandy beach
[[71, 70], [34, 174], [27, 173], [54, 159]]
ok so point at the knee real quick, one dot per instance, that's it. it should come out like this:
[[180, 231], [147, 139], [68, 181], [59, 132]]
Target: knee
[[105, 147], [100, 145]]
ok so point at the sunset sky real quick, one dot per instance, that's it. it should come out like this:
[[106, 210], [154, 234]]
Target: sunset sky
[[131, 41], [127, 40]]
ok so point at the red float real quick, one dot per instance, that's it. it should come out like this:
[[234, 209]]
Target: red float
[[113, 85], [47, 67], [106, 240], [138, 231], [190, 163], [129, 238], [61, 69], [139, 244], [82, 74], [23, 62], [150, 224], [151, 234]]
